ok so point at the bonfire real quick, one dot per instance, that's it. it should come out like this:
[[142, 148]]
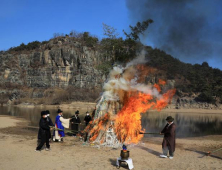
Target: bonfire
[[118, 113]]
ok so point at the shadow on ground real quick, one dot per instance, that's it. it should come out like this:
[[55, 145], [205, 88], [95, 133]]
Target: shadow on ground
[[150, 150], [123, 165], [203, 154]]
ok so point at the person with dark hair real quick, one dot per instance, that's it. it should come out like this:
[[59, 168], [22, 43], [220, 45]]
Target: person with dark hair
[[43, 132], [87, 118], [169, 138], [60, 125], [75, 121], [49, 120]]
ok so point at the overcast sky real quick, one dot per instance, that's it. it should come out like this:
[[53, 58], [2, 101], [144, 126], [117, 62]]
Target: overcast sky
[[190, 30]]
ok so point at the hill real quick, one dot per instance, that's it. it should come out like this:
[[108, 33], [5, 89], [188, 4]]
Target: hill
[[74, 67]]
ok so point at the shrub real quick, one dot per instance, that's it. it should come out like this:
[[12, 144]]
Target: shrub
[[30, 46], [205, 96], [105, 67], [83, 94], [89, 40], [55, 96]]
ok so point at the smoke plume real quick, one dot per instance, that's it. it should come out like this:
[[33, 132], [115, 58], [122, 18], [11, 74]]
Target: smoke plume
[[190, 30], [125, 79]]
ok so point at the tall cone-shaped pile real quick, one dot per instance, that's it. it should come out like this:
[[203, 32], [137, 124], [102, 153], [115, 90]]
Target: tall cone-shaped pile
[[118, 112]]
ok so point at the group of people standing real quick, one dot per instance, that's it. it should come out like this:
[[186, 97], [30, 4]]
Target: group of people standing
[[46, 125], [75, 121]]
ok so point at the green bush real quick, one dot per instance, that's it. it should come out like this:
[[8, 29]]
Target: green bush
[[123, 50], [30, 46], [89, 40], [105, 67], [205, 97]]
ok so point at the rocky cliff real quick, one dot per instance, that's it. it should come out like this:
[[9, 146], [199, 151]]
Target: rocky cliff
[[62, 62]]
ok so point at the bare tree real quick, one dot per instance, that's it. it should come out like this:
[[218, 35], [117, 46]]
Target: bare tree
[[109, 31], [75, 34], [55, 35]]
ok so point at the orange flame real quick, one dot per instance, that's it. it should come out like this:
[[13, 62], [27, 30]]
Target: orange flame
[[100, 124], [160, 83], [143, 71], [163, 102], [127, 125], [157, 86], [128, 120]]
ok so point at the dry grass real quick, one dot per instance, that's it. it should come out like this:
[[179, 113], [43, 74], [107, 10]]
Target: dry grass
[[52, 96]]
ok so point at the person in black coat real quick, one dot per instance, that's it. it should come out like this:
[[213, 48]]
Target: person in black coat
[[87, 118], [49, 123], [44, 131], [169, 133], [75, 121], [49, 120]]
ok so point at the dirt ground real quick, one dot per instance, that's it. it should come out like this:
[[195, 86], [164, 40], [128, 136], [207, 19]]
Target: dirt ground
[[18, 143]]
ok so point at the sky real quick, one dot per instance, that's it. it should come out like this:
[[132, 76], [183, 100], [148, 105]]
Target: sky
[[190, 30]]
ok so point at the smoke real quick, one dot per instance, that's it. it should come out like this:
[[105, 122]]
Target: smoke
[[190, 30], [140, 59], [125, 79]]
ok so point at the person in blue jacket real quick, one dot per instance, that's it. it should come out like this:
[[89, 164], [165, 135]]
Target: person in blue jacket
[[60, 125]]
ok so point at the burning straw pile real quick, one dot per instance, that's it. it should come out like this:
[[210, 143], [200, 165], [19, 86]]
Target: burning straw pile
[[118, 113]]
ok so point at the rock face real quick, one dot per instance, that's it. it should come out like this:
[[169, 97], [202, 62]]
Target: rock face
[[190, 103], [57, 64]]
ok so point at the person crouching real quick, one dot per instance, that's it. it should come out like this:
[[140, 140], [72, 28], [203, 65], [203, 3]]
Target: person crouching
[[44, 131]]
